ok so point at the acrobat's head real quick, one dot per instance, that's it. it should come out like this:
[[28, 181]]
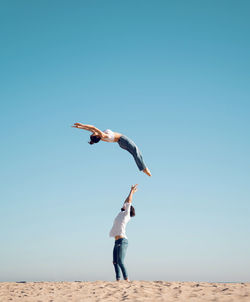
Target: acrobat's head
[[132, 211], [94, 139]]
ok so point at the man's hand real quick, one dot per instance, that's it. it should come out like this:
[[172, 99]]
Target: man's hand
[[134, 188]]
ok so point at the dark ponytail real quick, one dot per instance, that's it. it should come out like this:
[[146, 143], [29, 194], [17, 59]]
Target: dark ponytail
[[94, 139]]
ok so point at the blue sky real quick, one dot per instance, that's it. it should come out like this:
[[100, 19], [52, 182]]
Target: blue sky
[[171, 75]]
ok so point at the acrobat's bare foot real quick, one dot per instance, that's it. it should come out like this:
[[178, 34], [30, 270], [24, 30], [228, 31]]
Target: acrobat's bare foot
[[127, 280], [146, 171]]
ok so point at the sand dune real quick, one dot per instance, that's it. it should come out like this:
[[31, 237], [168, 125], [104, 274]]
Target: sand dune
[[124, 291]]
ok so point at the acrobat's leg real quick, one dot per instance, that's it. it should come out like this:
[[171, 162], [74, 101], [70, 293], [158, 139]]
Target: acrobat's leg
[[127, 144]]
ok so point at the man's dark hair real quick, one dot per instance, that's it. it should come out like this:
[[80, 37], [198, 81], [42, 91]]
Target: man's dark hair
[[132, 211], [94, 139]]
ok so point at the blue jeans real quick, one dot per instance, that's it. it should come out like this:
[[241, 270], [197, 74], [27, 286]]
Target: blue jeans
[[119, 253], [127, 144]]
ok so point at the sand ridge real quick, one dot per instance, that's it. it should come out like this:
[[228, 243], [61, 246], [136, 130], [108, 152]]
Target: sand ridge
[[103, 291]]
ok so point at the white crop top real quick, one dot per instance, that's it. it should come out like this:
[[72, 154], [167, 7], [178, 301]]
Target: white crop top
[[111, 135]]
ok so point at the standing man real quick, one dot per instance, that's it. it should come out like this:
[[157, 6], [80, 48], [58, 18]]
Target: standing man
[[118, 231]]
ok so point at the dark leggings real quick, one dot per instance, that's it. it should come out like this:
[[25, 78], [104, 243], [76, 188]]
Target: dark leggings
[[119, 253]]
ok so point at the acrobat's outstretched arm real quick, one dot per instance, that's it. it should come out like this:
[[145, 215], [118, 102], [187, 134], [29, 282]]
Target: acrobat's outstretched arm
[[90, 128]]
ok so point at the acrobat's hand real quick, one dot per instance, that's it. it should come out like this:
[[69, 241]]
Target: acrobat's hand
[[79, 126], [134, 188]]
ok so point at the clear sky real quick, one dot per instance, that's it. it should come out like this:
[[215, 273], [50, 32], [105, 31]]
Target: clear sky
[[173, 76]]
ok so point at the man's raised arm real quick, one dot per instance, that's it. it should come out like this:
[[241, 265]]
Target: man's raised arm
[[131, 193]]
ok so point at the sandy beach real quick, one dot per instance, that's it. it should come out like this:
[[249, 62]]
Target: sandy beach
[[124, 291]]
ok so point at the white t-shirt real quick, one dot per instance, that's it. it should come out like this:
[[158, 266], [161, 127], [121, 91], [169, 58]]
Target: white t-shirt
[[120, 222], [111, 135]]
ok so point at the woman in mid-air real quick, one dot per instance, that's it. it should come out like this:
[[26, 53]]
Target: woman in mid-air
[[115, 137]]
